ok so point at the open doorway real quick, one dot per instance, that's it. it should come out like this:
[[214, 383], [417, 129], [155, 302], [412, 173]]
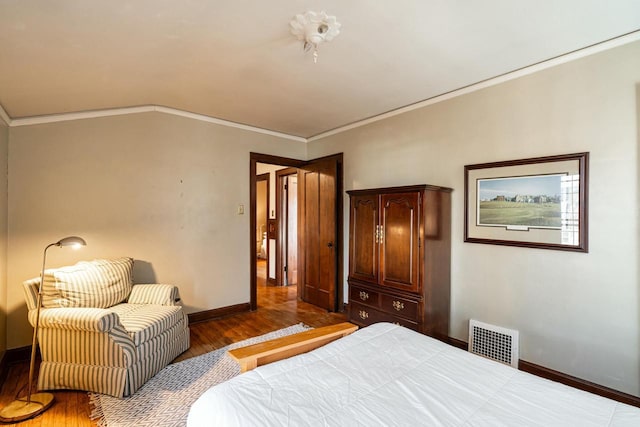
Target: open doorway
[[268, 223], [262, 211], [287, 215], [269, 290], [304, 229], [276, 234]]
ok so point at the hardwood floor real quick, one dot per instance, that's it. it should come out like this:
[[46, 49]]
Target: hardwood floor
[[278, 307]]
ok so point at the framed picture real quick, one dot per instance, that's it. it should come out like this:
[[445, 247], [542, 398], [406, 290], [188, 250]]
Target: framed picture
[[538, 203]]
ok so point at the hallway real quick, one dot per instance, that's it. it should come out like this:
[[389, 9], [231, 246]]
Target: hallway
[[272, 295]]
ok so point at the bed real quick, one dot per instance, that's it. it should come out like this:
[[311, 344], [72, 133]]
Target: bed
[[387, 375]]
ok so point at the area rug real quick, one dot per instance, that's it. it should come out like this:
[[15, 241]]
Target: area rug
[[164, 401]]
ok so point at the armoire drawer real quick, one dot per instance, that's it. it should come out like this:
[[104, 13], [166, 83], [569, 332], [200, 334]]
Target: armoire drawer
[[399, 306], [406, 323], [363, 296], [365, 316]]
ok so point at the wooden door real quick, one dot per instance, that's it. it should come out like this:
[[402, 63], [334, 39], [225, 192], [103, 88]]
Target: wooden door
[[363, 240], [317, 254], [399, 241]]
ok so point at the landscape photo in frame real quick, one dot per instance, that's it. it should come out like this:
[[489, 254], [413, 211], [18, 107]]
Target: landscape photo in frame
[[520, 202], [539, 202]]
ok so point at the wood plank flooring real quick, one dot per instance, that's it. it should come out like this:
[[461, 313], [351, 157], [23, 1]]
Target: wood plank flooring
[[277, 308]]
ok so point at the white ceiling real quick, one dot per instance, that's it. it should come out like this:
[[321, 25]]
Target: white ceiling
[[235, 60]]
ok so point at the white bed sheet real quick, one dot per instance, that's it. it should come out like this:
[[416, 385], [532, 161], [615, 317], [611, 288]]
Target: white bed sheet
[[386, 375]]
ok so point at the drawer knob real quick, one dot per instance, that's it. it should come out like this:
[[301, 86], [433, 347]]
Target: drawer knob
[[398, 305], [364, 295], [363, 314]]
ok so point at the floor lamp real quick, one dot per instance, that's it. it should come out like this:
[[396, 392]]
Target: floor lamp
[[35, 404]]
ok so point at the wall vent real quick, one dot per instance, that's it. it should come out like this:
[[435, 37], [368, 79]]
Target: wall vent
[[494, 342]]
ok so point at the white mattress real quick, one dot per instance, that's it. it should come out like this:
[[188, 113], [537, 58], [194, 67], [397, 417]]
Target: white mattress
[[386, 375]]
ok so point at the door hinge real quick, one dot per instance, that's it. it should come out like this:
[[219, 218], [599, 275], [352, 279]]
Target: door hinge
[[286, 187], [285, 268]]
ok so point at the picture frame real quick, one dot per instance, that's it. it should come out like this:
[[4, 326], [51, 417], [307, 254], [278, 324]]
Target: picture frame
[[539, 202]]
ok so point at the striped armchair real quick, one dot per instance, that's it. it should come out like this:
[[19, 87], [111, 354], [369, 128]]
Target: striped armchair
[[99, 332]]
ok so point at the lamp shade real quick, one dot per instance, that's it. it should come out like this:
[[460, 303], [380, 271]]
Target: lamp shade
[[71, 241]]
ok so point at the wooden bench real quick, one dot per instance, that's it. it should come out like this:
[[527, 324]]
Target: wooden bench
[[262, 353]]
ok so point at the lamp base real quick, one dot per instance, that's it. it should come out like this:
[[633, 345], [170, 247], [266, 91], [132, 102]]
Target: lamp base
[[19, 410]]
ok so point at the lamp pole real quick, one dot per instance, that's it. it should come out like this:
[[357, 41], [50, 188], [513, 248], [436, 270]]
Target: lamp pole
[[35, 404]]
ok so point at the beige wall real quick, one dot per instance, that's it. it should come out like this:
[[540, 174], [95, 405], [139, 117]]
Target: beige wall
[[4, 146], [577, 313], [159, 188]]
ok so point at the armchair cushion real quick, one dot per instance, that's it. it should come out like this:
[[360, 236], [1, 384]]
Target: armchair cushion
[[99, 283], [144, 322]]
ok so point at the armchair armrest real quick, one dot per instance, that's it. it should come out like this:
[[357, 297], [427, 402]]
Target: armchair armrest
[[77, 319], [157, 294]]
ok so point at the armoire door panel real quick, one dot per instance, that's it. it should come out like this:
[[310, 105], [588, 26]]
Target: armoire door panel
[[399, 250], [363, 263]]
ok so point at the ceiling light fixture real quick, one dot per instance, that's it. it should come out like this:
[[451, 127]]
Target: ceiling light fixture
[[314, 28]]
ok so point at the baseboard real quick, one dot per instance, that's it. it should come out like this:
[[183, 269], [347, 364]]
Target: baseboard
[[565, 379], [579, 383], [13, 356], [457, 343], [202, 316], [4, 367]]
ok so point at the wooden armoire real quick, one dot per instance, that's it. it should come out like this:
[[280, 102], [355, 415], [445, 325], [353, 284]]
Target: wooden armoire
[[400, 257]]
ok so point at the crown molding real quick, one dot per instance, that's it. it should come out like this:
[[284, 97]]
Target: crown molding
[[236, 125], [4, 116], [511, 75], [65, 117], [552, 62], [80, 115]]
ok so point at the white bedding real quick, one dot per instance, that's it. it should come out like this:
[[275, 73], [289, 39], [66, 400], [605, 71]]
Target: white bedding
[[387, 375]]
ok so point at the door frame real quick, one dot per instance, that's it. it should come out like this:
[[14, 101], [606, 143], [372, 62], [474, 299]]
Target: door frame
[[281, 223], [255, 158]]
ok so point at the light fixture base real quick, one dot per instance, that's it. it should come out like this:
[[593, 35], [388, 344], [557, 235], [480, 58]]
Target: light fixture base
[[314, 29], [20, 410]]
